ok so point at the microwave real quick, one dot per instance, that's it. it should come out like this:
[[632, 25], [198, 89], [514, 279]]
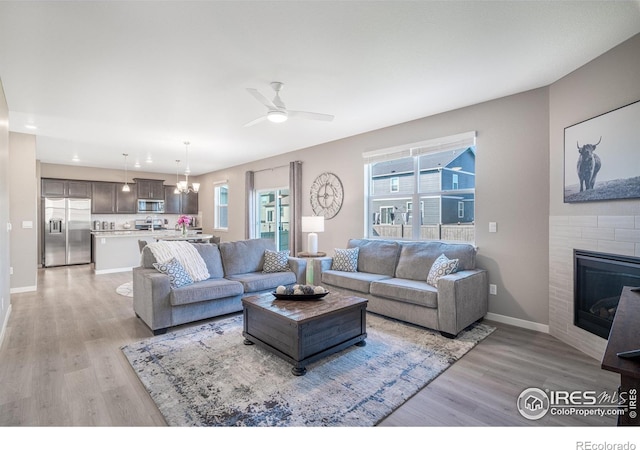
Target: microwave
[[150, 206]]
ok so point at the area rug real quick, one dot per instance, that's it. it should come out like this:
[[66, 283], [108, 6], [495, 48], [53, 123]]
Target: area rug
[[206, 376], [125, 289]]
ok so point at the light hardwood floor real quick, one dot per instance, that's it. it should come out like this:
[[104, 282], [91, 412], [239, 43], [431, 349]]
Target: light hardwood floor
[[61, 365]]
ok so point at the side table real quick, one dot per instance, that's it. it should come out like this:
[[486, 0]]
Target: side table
[[309, 266]]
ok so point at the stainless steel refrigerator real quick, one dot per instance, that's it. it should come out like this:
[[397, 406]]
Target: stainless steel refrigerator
[[67, 231]]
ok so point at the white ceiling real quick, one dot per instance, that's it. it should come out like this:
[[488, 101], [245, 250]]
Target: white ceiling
[[99, 79]]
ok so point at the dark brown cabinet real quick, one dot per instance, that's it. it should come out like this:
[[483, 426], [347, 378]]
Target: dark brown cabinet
[[150, 189], [189, 203], [53, 187], [172, 201], [127, 202], [180, 203], [103, 197]]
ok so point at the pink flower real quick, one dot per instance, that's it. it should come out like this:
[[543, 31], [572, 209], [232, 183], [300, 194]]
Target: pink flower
[[184, 220]]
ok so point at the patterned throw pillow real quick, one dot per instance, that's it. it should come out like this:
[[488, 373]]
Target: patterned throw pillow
[[441, 266], [345, 259], [276, 261], [178, 276]]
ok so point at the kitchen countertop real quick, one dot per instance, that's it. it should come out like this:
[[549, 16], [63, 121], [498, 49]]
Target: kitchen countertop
[[138, 233]]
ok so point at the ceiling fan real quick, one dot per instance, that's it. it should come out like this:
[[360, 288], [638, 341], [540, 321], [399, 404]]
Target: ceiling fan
[[277, 112]]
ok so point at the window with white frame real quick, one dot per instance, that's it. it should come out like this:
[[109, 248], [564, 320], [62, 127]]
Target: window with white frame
[[221, 206], [438, 175]]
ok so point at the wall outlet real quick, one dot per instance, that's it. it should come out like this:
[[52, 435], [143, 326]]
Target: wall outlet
[[493, 289], [493, 227], [10, 270]]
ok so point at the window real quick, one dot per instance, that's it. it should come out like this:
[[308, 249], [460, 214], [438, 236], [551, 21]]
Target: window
[[273, 216], [221, 207], [425, 174]]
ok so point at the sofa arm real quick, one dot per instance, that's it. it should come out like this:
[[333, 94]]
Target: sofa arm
[[463, 298], [151, 291], [319, 265], [299, 267]]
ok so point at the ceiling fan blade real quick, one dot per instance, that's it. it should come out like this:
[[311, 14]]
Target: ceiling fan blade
[[311, 115], [261, 98], [256, 121]]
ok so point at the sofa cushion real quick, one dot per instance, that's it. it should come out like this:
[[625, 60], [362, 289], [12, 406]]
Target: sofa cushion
[[211, 255], [410, 291], [417, 258], [244, 256], [345, 259], [356, 281], [441, 266], [260, 281], [276, 261], [211, 289], [177, 274], [376, 256]]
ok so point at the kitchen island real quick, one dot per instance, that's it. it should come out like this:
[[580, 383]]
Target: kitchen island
[[118, 251]]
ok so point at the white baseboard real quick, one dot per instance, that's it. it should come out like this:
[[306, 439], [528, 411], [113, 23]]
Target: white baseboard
[[119, 269], [18, 290], [4, 325], [535, 326]]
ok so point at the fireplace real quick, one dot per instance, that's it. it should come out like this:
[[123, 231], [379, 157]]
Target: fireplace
[[598, 282]]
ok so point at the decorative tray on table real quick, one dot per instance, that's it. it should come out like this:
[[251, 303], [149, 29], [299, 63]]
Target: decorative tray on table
[[300, 292]]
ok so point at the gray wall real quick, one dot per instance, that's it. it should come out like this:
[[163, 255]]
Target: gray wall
[[4, 213], [512, 190], [23, 208]]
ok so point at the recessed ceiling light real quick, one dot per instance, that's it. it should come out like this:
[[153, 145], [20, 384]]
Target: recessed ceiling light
[[75, 158], [137, 164], [149, 160], [30, 126]]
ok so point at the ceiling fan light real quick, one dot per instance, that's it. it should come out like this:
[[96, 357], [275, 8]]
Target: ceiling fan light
[[277, 116]]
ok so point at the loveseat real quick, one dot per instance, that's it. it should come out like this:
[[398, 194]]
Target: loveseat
[[234, 269], [393, 275]]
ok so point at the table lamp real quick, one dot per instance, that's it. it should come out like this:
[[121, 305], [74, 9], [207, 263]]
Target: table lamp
[[312, 225]]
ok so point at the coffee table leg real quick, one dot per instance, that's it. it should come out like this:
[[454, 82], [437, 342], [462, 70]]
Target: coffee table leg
[[247, 342], [299, 371]]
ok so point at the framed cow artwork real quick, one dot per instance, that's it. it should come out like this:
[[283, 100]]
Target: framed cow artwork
[[602, 157]]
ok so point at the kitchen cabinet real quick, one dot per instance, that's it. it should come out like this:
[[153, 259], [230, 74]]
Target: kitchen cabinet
[[180, 203], [103, 197], [127, 202], [189, 203], [172, 201], [53, 187], [150, 189]]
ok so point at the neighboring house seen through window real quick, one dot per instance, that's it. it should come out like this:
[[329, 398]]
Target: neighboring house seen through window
[[438, 175]]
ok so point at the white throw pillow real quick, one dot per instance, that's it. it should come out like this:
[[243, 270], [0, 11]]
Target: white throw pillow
[[276, 261], [441, 266], [345, 259]]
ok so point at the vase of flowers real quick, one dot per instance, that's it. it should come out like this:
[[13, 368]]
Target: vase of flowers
[[184, 221]]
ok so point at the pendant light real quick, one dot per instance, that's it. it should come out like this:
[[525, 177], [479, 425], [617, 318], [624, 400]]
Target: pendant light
[[126, 187], [177, 189], [183, 186]]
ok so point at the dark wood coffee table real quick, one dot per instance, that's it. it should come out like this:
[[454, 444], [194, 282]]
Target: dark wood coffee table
[[303, 331]]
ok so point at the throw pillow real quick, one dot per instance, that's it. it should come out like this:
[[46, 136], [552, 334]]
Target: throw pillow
[[177, 274], [276, 261], [345, 259], [441, 266]]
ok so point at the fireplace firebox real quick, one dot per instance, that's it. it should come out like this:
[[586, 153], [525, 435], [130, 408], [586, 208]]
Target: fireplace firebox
[[598, 282]]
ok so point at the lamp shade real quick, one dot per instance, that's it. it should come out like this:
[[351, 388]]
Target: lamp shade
[[312, 224]]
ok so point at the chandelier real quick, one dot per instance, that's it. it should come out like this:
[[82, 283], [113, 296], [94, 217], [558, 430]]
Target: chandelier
[[183, 186]]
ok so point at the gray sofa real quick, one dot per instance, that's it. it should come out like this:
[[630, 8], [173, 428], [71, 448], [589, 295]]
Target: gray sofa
[[235, 270], [392, 275]]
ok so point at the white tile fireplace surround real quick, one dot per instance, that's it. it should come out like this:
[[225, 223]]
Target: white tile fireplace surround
[[618, 235]]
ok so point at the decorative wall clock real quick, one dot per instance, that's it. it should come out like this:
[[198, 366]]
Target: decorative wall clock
[[326, 195]]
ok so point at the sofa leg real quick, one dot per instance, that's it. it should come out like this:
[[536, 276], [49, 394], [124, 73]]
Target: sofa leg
[[159, 331], [448, 335]]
